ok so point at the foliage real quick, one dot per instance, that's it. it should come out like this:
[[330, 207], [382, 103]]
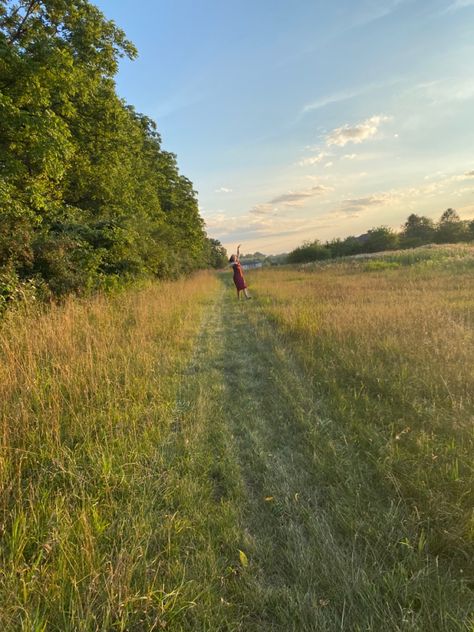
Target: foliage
[[450, 228], [276, 260], [86, 191], [255, 256], [309, 251], [470, 231], [381, 238], [217, 254], [417, 231], [344, 247]]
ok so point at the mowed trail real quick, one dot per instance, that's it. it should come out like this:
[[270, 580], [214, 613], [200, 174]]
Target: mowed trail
[[253, 422]]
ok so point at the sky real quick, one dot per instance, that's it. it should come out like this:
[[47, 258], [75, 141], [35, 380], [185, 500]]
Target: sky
[[309, 119]]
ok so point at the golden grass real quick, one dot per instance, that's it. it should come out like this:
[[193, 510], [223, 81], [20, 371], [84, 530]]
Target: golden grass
[[170, 459], [87, 407], [391, 354]]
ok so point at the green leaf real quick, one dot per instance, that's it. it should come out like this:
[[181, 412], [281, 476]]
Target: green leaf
[[243, 559]]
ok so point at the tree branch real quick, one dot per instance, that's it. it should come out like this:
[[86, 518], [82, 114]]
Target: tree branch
[[19, 31]]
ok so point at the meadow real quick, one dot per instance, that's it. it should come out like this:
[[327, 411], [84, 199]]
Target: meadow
[[388, 343], [172, 459], [91, 459]]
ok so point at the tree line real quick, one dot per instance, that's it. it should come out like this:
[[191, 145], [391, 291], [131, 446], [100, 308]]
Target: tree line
[[418, 230], [88, 197]]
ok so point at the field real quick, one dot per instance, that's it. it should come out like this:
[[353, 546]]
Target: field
[[172, 459]]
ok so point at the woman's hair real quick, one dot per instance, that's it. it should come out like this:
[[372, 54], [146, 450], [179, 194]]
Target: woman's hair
[[232, 258]]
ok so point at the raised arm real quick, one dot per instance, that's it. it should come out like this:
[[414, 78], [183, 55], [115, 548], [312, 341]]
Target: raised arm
[[238, 252]]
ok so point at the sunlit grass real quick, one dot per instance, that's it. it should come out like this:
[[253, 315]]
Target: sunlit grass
[[389, 352], [446, 256], [172, 459], [91, 459]]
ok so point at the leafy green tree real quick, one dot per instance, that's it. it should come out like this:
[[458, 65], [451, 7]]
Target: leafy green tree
[[86, 191], [344, 247], [217, 254], [417, 230], [309, 251], [470, 230], [450, 228], [379, 239], [276, 260]]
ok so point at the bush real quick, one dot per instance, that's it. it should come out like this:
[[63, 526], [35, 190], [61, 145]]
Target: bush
[[379, 239], [309, 251], [16, 291]]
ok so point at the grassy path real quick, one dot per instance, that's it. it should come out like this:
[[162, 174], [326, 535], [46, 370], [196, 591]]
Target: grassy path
[[271, 416], [259, 436], [255, 424]]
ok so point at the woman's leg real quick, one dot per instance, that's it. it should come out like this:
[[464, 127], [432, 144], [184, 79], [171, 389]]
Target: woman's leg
[[246, 292]]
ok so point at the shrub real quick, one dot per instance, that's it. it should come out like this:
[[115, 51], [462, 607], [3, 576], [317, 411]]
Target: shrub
[[309, 251]]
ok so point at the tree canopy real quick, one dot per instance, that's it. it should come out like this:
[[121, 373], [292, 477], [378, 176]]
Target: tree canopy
[[88, 197]]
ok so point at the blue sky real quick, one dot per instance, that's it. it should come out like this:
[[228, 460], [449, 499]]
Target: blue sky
[[308, 119]]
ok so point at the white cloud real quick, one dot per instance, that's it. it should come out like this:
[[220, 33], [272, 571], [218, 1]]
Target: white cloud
[[446, 90], [346, 95], [445, 186], [349, 157], [460, 177], [350, 93], [268, 229], [292, 199], [223, 190], [332, 98], [248, 227], [357, 205], [377, 10], [312, 160], [356, 133], [457, 5], [262, 209], [328, 164], [297, 198]]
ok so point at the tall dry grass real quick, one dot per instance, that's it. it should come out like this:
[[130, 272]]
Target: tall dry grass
[[172, 460], [87, 407], [389, 352]]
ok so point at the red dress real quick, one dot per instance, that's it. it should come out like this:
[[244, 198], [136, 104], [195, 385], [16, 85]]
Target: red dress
[[238, 276]]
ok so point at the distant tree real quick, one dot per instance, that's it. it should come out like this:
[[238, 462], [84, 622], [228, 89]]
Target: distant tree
[[450, 229], [255, 256], [217, 254], [309, 251], [470, 230], [276, 260], [417, 230], [343, 247], [379, 239]]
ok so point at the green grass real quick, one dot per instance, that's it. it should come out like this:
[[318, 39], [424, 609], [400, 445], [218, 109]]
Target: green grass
[[172, 459], [452, 257], [103, 524], [390, 355]]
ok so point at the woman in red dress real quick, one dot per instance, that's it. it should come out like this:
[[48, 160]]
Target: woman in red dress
[[238, 275]]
